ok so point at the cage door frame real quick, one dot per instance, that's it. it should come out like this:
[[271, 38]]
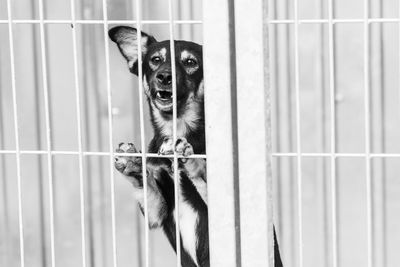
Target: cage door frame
[[238, 125]]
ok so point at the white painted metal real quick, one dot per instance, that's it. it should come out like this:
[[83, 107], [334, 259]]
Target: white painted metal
[[79, 134], [48, 130], [174, 130], [334, 21], [149, 155], [298, 131], [16, 134], [272, 21], [221, 149], [332, 97], [254, 133], [101, 22], [92, 153], [142, 136], [367, 111], [110, 130]]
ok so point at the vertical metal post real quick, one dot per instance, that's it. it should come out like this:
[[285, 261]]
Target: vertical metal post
[[142, 133], [3, 175], [254, 133], [367, 117], [79, 134], [90, 64], [322, 116], [38, 122], [16, 134], [333, 163], [383, 141], [298, 131], [47, 109], [110, 131], [220, 112]]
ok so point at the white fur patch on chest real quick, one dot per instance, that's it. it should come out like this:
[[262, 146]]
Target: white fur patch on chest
[[167, 130], [188, 120], [188, 220]]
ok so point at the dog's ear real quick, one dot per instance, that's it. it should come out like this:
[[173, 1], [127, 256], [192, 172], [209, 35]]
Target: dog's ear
[[127, 41]]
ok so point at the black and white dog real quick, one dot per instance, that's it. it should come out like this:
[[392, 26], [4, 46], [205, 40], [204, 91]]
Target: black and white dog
[[157, 83]]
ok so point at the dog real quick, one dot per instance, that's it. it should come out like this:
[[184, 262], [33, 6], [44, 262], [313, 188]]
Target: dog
[[190, 132]]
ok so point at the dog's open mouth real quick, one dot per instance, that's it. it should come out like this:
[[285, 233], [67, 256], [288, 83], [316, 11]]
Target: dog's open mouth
[[163, 99], [164, 95]]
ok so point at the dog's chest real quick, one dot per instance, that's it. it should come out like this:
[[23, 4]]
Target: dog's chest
[[187, 121], [167, 128]]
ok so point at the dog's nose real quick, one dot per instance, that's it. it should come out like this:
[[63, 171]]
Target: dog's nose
[[164, 78]]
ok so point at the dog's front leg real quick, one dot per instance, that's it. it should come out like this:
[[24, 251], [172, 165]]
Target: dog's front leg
[[131, 168], [195, 168]]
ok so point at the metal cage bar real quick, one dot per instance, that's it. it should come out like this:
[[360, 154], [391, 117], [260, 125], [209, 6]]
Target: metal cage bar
[[48, 130], [142, 136], [332, 97], [110, 131], [298, 131], [100, 22], [79, 135], [174, 132], [220, 87], [17, 136], [254, 128], [272, 21], [367, 111], [149, 155]]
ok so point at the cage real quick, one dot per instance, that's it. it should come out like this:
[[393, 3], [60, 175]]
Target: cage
[[302, 122]]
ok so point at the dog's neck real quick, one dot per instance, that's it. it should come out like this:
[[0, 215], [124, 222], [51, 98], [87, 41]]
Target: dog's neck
[[189, 119]]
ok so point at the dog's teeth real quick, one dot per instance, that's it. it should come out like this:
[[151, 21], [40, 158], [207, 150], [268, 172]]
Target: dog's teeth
[[164, 95]]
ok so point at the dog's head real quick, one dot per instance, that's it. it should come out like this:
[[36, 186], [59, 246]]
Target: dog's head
[[157, 69]]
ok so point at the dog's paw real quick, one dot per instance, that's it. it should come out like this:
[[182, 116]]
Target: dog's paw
[[182, 148], [128, 165], [167, 147]]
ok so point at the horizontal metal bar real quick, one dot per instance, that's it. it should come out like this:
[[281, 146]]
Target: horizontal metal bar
[[334, 21], [339, 155], [276, 21], [154, 155], [68, 21], [89, 153]]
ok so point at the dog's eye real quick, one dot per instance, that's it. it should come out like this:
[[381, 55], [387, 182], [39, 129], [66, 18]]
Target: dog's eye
[[156, 60], [190, 62]]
